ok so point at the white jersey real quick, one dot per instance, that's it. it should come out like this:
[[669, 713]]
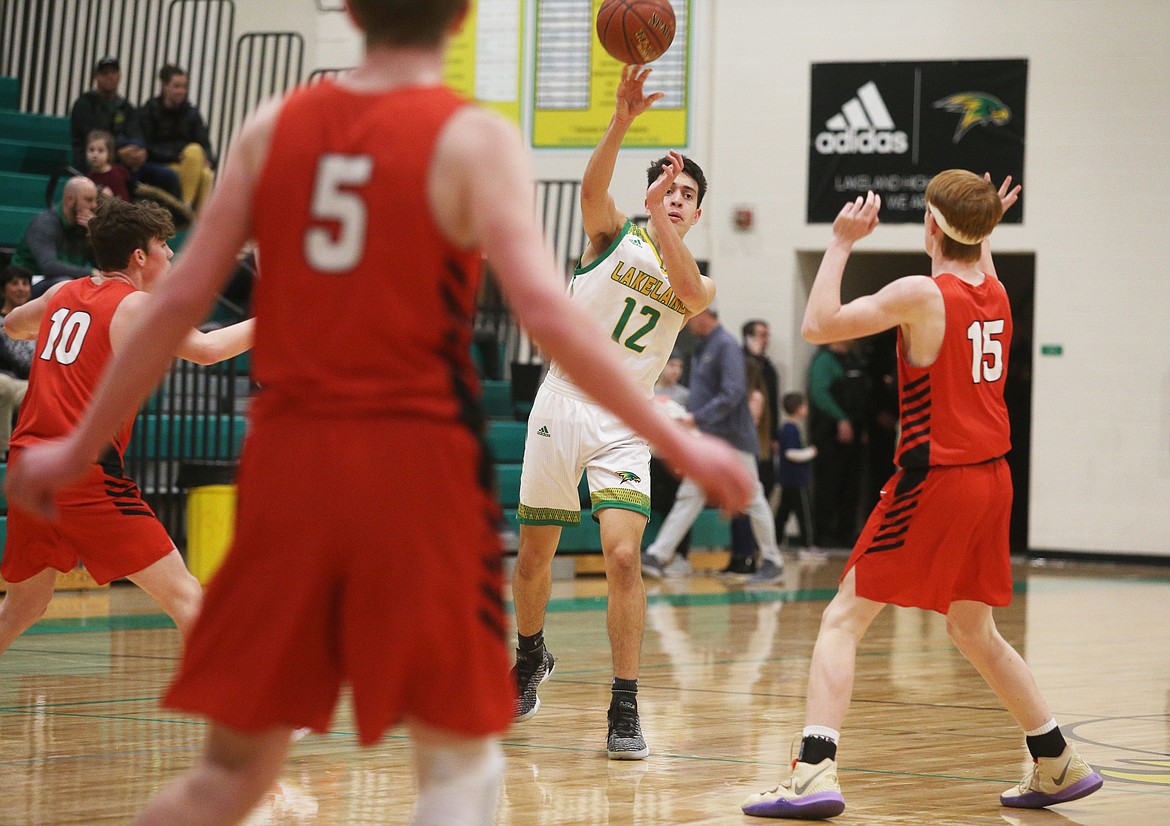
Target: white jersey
[[627, 289]]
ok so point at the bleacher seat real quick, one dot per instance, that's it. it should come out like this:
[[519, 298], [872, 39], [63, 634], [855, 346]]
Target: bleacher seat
[[497, 399], [25, 126], [9, 93], [13, 223], [33, 158], [21, 190], [506, 440]]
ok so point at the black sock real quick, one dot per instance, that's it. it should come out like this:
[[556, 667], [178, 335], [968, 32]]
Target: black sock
[[814, 749], [621, 686], [1049, 744], [529, 646]]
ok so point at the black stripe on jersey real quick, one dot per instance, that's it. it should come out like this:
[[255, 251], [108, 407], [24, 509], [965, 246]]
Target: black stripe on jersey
[[891, 533], [457, 352], [111, 463], [492, 595], [492, 624], [914, 447], [909, 386]]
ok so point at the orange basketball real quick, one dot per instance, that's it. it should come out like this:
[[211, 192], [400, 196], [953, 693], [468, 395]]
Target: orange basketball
[[636, 31]]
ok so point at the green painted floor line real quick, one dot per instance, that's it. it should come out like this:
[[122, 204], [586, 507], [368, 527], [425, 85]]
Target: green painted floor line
[[113, 622]]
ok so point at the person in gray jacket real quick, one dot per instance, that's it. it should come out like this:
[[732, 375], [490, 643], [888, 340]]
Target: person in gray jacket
[[56, 243], [718, 407]]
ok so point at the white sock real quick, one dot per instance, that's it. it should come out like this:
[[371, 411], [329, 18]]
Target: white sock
[[1044, 729], [457, 783], [821, 731]]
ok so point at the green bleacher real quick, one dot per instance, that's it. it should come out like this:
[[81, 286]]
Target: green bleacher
[[32, 149], [30, 128], [9, 93]]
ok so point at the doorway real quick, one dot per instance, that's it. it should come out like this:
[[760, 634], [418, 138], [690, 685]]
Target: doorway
[[868, 272]]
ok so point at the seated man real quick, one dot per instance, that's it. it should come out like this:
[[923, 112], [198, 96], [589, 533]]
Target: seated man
[[56, 243], [103, 108], [176, 135]]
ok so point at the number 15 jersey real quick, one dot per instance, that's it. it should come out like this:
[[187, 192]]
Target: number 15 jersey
[[627, 290], [953, 412]]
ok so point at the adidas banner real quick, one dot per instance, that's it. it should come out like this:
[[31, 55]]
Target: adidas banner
[[890, 127]]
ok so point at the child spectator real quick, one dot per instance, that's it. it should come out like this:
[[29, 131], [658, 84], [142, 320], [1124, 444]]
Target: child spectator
[[111, 178], [792, 475]]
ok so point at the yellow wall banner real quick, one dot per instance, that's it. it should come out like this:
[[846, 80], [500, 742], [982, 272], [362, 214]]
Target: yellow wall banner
[[485, 59], [576, 80]]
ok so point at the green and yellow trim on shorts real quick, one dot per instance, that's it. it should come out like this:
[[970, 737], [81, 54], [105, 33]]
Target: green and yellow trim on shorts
[[624, 498], [527, 515]]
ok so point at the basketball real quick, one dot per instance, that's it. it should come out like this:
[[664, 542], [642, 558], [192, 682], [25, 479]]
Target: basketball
[[636, 31]]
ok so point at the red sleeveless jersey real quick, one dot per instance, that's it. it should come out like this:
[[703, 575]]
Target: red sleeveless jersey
[[953, 412], [362, 306], [73, 348]]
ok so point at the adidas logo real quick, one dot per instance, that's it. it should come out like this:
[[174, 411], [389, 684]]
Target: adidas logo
[[544, 432], [863, 127]]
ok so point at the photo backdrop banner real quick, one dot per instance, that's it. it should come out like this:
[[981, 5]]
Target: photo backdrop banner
[[891, 127]]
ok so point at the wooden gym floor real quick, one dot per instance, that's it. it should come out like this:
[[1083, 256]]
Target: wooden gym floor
[[83, 741]]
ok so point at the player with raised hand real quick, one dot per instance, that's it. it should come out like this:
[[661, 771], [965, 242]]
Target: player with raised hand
[[641, 286], [938, 537], [391, 581]]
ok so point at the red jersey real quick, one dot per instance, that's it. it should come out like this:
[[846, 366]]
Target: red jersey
[[73, 348], [953, 412], [363, 307]]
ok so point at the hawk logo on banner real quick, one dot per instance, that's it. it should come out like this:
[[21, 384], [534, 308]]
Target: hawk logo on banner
[[977, 109], [891, 127]]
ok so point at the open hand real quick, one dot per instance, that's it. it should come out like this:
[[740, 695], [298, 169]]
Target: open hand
[[660, 187], [631, 101], [857, 218], [43, 470], [1008, 194]]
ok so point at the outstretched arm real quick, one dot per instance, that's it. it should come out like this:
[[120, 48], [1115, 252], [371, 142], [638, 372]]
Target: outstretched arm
[[600, 217]]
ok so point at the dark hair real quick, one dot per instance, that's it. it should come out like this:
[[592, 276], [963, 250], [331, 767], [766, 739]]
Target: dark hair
[[406, 22], [119, 227], [14, 272], [792, 402], [749, 327], [169, 71], [689, 167]]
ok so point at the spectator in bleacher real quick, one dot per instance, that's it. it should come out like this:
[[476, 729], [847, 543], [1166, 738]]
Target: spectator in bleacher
[[56, 243], [112, 178], [15, 356], [176, 135], [115, 179], [103, 108]]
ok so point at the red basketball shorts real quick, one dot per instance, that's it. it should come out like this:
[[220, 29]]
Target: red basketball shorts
[[936, 536], [102, 523], [366, 552]]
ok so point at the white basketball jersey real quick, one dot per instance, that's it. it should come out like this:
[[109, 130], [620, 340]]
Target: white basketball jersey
[[627, 290]]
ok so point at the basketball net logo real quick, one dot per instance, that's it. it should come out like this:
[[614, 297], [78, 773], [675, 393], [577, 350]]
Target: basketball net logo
[[863, 127]]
